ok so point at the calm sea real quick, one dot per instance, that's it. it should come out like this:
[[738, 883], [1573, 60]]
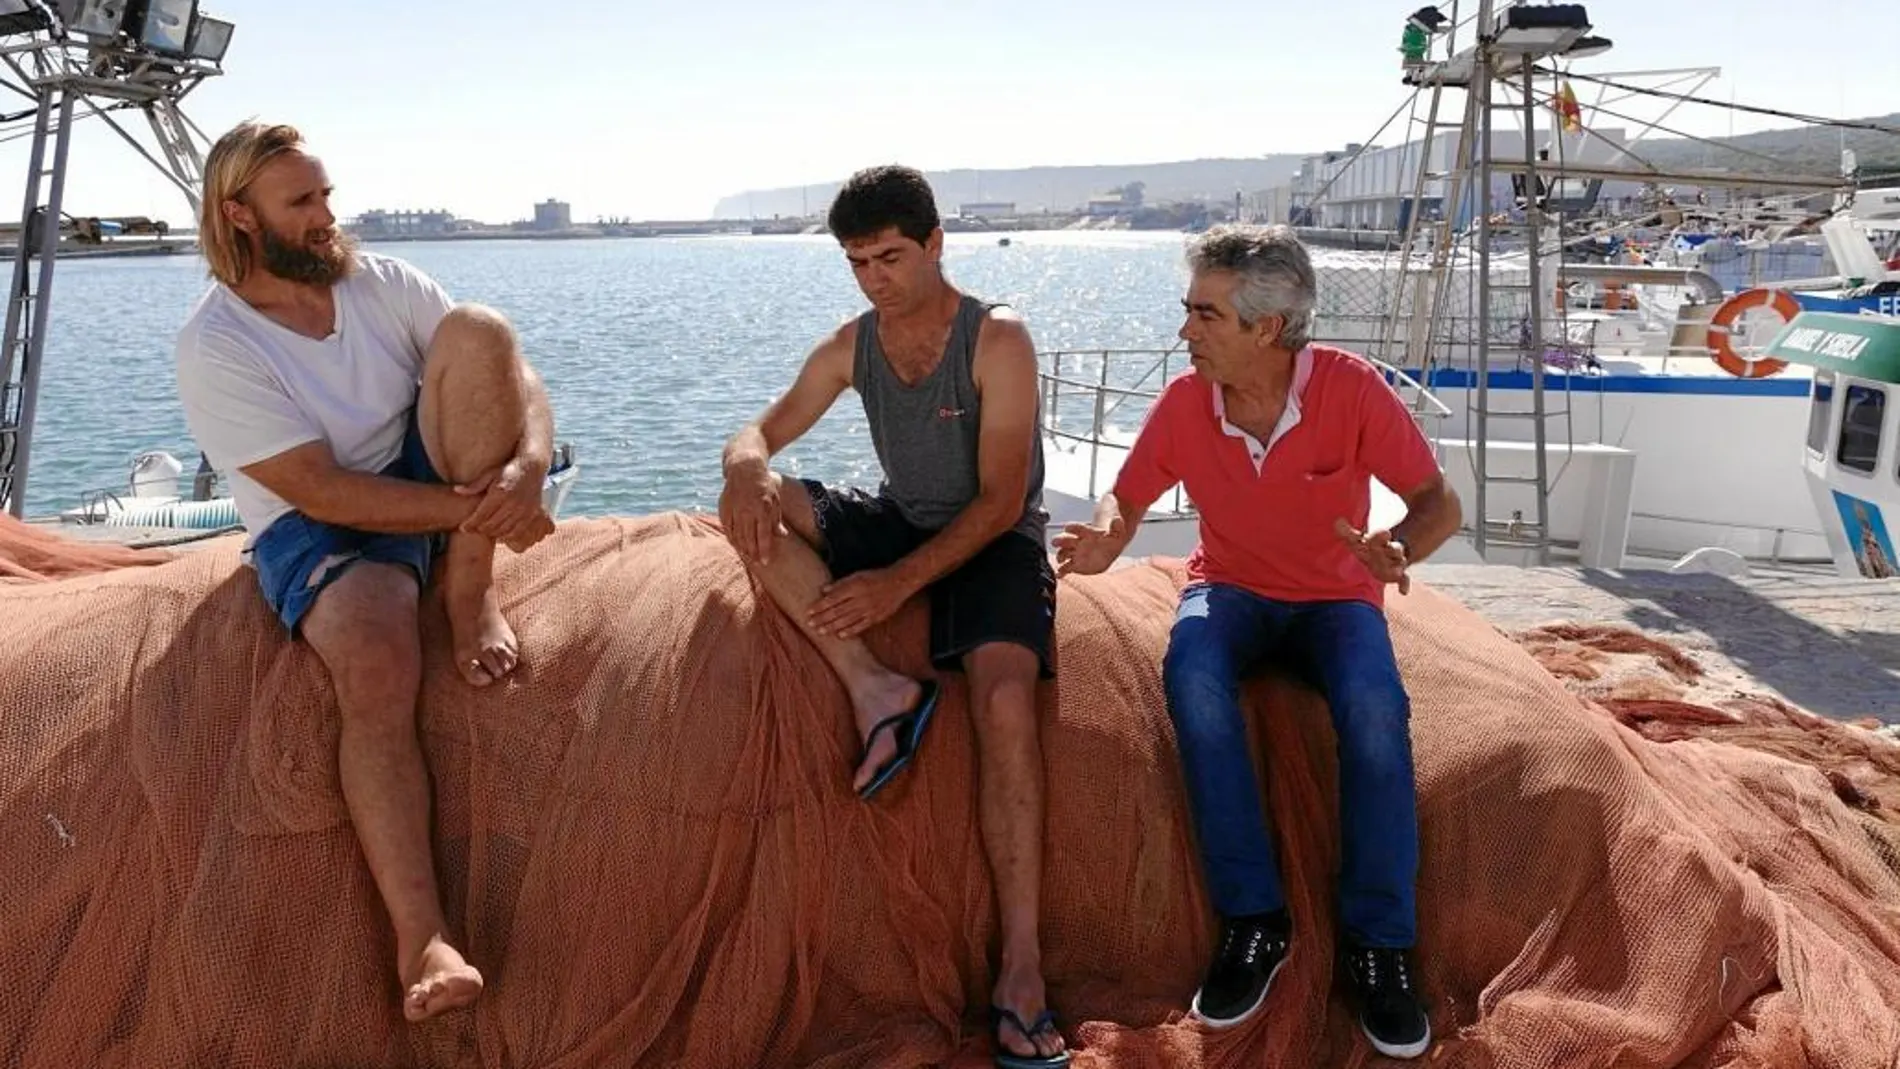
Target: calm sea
[[654, 351]]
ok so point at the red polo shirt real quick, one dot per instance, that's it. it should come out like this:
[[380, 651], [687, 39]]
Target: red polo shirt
[[1267, 509]]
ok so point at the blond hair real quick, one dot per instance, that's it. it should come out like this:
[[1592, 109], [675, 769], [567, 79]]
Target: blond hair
[[230, 168]]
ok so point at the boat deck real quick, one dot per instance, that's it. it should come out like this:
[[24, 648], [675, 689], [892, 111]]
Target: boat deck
[[132, 537], [1826, 643]]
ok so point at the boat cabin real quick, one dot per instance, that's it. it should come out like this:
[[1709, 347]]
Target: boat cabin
[[1852, 454]]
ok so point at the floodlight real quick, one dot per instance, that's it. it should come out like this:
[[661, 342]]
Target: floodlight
[[1587, 46], [93, 18], [1540, 30], [209, 38], [163, 25], [23, 16]]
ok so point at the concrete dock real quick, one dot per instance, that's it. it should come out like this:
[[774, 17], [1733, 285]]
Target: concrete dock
[[1828, 644]]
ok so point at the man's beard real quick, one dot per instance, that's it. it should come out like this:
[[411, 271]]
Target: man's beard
[[324, 265]]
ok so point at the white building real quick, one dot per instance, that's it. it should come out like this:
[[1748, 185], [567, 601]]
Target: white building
[[988, 209], [553, 214], [1374, 190], [388, 224]]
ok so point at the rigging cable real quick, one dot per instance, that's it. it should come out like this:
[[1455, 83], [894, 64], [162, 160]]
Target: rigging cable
[[1815, 120]]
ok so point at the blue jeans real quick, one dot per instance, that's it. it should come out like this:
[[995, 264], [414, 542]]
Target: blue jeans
[[1220, 634]]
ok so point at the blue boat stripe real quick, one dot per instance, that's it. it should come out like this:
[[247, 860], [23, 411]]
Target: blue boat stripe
[[1554, 381]]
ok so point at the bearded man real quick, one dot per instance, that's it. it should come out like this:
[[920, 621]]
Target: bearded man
[[374, 434]]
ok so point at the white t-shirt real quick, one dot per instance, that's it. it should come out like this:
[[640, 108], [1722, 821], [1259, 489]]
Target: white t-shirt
[[253, 388]]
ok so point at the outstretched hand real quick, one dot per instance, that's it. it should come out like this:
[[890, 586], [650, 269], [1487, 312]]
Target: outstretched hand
[[1086, 549], [1382, 556]]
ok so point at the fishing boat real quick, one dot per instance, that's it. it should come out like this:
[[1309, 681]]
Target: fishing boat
[[1585, 410], [1850, 458]]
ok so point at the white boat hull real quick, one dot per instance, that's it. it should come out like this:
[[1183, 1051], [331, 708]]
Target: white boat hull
[[1711, 467]]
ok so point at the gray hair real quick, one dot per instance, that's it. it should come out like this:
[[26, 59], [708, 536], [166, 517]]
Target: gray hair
[[1276, 275]]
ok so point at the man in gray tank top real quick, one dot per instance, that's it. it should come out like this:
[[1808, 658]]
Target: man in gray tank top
[[949, 387]]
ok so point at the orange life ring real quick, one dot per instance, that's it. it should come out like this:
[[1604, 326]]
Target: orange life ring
[[1722, 350]]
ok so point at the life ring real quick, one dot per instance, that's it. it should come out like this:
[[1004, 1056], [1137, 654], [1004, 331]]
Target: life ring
[[1722, 349]]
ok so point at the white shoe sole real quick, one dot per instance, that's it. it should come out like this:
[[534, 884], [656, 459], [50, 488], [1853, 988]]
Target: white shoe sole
[[1408, 1050], [1219, 1023]]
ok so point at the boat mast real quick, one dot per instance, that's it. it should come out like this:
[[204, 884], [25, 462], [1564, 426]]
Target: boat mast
[[77, 59], [1508, 40], [1515, 318]]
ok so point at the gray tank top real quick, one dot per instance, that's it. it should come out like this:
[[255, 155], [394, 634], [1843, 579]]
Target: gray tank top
[[926, 435]]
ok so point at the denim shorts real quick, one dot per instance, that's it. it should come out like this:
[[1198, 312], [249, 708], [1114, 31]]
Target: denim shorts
[[295, 547]]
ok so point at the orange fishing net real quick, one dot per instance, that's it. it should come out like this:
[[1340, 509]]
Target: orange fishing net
[[36, 554], [648, 844], [1652, 687]]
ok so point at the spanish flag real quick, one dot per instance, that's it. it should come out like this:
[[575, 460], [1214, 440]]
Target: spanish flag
[[1567, 109]]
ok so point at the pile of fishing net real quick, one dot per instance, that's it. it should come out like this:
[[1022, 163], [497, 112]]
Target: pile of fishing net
[[648, 843]]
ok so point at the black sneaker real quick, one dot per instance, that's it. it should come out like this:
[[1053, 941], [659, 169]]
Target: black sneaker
[[1250, 952], [1388, 1002]]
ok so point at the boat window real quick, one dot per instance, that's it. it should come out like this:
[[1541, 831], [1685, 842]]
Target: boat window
[[1862, 414], [1820, 411]]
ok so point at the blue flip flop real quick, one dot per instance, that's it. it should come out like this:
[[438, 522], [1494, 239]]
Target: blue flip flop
[[1007, 1059], [908, 727]]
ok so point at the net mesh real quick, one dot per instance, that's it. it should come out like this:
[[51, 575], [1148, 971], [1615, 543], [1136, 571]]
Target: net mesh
[[648, 844]]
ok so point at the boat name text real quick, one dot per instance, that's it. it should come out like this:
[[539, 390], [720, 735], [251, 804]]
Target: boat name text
[[1834, 343]]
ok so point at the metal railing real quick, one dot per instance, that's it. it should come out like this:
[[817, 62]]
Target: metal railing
[[1096, 395], [1779, 531]]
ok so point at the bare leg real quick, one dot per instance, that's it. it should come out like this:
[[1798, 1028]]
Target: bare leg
[[364, 627], [794, 577], [1010, 793], [472, 415]]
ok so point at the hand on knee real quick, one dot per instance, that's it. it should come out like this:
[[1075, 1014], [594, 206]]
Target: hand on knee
[[751, 513]]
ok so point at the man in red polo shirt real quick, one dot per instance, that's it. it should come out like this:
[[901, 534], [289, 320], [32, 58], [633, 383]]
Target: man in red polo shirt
[[1275, 439]]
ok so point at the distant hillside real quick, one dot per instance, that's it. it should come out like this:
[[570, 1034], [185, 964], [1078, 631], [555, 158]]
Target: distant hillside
[[1037, 188], [1802, 150]]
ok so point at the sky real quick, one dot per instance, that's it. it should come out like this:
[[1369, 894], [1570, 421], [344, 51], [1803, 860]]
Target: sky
[[655, 110]]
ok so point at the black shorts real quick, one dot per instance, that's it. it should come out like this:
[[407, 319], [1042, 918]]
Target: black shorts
[[1005, 593]]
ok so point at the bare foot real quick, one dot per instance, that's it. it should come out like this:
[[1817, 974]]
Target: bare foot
[[443, 982], [485, 646], [886, 698], [1022, 993]]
